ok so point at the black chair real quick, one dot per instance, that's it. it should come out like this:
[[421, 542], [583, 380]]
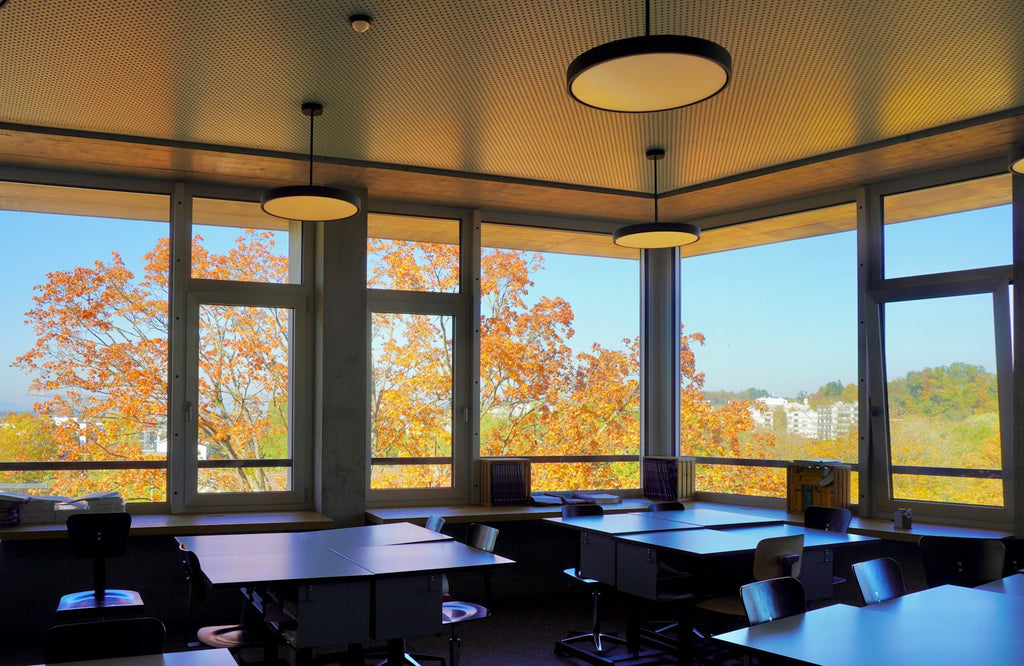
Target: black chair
[[773, 599], [97, 536], [829, 519], [1014, 561], [455, 612], [666, 506], [600, 641], [961, 561], [103, 639], [233, 637], [435, 523], [879, 580], [774, 557]]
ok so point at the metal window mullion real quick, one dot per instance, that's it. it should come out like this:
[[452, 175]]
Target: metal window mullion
[[181, 475]]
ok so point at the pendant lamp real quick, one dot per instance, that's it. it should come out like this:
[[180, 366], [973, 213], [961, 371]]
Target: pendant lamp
[[311, 202], [1017, 160], [649, 73], [657, 234]]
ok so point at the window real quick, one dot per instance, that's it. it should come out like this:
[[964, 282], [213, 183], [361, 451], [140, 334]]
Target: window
[[945, 341], [248, 424], [943, 400], [559, 356], [236, 240], [418, 304], [83, 382], [411, 401], [769, 349]]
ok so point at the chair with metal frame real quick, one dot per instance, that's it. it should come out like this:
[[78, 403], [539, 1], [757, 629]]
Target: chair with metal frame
[[600, 641], [963, 561], [773, 599], [666, 506], [233, 637], [774, 557], [880, 579], [98, 536], [829, 519], [103, 639]]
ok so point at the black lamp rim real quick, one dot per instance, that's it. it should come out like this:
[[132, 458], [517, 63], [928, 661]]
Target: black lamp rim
[[322, 191], [631, 46], [660, 227]]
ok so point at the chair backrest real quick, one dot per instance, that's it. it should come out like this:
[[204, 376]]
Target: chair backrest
[[199, 585], [828, 518], [577, 510], [665, 506], [98, 535], [482, 537], [103, 639], [880, 579], [778, 556], [961, 561], [773, 599], [1014, 561], [435, 523]]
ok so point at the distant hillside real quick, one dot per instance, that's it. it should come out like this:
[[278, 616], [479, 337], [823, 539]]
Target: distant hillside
[[11, 407]]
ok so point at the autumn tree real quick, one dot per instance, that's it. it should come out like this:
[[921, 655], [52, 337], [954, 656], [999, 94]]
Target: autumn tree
[[101, 353]]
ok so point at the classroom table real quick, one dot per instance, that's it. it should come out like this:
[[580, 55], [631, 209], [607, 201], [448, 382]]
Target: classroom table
[[942, 625], [1012, 584], [343, 586], [217, 657], [717, 517]]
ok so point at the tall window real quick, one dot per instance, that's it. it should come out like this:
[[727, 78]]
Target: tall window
[[946, 341], [769, 350], [559, 356], [248, 310], [83, 382], [414, 272]]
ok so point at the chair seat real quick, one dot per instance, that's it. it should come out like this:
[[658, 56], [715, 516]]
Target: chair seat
[[231, 636], [461, 611], [116, 601], [574, 573], [727, 605]]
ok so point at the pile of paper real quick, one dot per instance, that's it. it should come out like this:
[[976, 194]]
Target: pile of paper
[[102, 502], [9, 503]]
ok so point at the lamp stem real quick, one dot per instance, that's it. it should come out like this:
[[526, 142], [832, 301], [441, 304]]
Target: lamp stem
[[647, 17], [655, 191], [311, 148]]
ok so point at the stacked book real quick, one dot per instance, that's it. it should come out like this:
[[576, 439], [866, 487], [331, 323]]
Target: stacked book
[[9, 504], [668, 478], [504, 481]]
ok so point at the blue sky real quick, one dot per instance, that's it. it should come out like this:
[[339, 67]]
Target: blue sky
[[780, 317]]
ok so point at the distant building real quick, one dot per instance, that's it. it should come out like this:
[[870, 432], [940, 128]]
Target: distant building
[[825, 422]]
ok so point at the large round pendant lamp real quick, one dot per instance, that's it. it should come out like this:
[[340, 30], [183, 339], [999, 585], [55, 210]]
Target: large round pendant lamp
[[649, 73], [1017, 160], [311, 203], [652, 235]]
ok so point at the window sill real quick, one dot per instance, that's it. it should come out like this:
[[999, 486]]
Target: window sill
[[189, 524]]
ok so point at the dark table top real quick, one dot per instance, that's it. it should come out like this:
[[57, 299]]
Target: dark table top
[[1010, 585], [621, 523], [283, 542], [712, 542], [717, 517], [430, 557], [944, 625], [812, 538]]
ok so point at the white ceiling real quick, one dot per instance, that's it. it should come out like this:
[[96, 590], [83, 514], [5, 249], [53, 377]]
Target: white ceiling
[[478, 86]]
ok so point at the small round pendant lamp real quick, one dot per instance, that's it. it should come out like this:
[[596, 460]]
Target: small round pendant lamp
[[311, 203], [652, 235], [649, 73]]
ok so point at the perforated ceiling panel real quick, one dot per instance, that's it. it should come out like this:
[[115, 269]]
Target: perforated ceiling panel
[[479, 85]]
